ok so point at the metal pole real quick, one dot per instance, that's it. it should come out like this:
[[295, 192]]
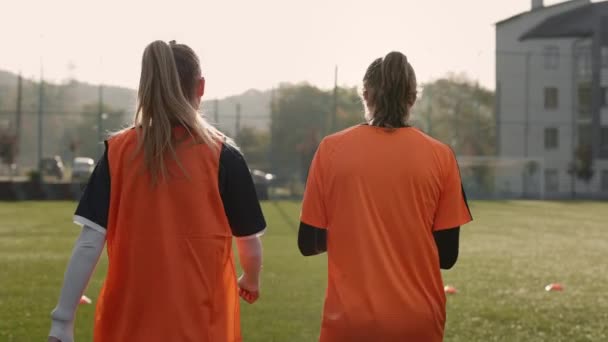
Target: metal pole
[[576, 78], [40, 109], [429, 98], [18, 111], [456, 127], [100, 147], [477, 104], [527, 104], [40, 120], [237, 123], [270, 129], [526, 119], [216, 111], [334, 113], [498, 113], [575, 108]]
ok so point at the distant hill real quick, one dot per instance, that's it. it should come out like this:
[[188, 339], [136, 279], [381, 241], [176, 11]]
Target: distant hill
[[69, 105], [255, 111], [72, 96], [68, 97], [7, 78]]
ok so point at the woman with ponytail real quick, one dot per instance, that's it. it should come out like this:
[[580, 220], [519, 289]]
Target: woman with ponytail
[[168, 196], [385, 201]]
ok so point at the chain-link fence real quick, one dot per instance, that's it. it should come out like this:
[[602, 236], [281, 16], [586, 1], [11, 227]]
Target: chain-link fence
[[530, 116]]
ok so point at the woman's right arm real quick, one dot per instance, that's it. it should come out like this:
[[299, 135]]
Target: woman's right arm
[[452, 212], [245, 217], [447, 242], [86, 253], [250, 256], [311, 240], [92, 214], [312, 235]]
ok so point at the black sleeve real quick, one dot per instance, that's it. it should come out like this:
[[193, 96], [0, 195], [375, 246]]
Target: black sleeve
[[447, 242], [94, 203], [311, 240], [239, 194]]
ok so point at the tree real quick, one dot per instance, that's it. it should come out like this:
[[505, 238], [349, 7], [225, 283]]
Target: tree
[[460, 113], [62, 112], [350, 109], [454, 110], [254, 144], [8, 149], [301, 116], [582, 167], [296, 113], [306, 150], [457, 111], [83, 137]]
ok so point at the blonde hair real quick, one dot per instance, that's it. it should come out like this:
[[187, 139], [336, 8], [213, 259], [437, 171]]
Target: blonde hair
[[390, 86], [170, 74]]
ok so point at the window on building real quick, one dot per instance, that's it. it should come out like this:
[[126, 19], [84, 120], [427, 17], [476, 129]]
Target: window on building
[[551, 55], [584, 101], [604, 97], [605, 181], [583, 62], [551, 180], [584, 134], [604, 56], [551, 138], [604, 137], [551, 98]]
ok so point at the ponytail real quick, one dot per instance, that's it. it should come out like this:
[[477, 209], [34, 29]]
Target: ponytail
[[390, 84], [167, 97]]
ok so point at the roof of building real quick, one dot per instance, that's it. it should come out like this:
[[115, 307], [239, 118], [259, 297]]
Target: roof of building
[[577, 23], [504, 21]]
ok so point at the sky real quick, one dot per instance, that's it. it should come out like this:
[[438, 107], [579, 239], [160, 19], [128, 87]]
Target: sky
[[252, 44]]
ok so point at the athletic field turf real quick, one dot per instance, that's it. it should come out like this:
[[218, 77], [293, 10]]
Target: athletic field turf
[[508, 255]]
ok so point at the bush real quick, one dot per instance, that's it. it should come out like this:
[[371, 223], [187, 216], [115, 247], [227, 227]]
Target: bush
[[34, 176]]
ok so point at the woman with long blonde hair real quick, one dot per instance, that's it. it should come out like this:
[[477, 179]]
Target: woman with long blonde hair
[[167, 196]]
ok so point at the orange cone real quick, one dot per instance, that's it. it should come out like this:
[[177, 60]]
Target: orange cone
[[450, 289], [85, 300], [555, 287]]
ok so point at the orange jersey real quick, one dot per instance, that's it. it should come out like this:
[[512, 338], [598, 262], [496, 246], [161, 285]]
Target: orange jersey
[[171, 274], [381, 195]]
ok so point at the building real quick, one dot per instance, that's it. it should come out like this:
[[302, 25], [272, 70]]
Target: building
[[552, 96]]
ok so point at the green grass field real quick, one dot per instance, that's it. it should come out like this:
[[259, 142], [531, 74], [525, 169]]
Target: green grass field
[[508, 254]]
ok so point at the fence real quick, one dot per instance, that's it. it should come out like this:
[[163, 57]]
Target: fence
[[491, 128]]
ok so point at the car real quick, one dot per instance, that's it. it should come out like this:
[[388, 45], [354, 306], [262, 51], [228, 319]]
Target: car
[[52, 167], [82, 169], [262, 182]]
